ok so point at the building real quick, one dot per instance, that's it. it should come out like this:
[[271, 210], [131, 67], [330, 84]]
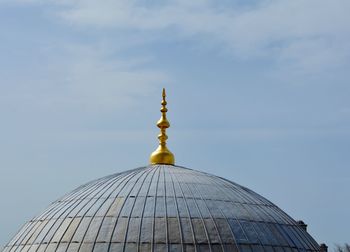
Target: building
[[162, 207]]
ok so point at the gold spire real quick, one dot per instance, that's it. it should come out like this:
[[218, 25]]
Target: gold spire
[[162, 155]]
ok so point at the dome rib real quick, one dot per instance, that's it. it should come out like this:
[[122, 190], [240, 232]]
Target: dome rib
[[223, 214], [244, 205], [187, 207], [216, 232], [133, 204], [161, 208], [177, 210], [246, 197], [140, 174], [101, 189]]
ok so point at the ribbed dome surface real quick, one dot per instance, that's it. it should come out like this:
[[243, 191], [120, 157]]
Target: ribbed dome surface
[[162, 208]]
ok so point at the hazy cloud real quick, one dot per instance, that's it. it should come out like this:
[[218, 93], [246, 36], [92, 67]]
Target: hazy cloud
[[83, 77], [309, 35]]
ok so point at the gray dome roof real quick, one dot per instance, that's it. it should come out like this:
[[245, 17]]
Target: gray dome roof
[[162, 208]]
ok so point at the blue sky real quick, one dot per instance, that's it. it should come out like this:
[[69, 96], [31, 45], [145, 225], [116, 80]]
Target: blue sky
[[258, 92]]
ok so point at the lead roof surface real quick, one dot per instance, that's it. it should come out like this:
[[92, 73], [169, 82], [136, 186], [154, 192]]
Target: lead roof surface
[[162, 208]]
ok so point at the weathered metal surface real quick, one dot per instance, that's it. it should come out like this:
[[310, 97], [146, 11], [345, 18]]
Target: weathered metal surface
[[162, 208]]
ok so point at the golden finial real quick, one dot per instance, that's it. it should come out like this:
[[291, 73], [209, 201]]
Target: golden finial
[[162, 155]]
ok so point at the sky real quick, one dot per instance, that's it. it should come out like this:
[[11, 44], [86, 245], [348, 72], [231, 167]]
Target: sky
[[258, 93]]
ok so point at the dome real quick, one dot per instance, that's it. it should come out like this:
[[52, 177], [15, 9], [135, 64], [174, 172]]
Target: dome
[[162, 208]]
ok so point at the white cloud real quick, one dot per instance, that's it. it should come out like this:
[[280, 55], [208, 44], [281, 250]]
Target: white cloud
[[311, 35]]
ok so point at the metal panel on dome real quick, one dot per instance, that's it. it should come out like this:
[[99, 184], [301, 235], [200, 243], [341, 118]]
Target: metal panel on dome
[[162, 208]]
